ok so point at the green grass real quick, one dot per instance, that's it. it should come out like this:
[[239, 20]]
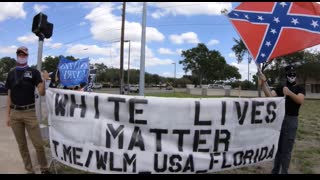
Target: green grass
[[306, 153]]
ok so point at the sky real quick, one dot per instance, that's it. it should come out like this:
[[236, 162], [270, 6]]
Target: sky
[[92, 29]]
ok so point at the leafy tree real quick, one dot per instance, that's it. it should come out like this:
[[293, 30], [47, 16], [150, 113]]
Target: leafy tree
[[196, 60], [6, 64], [206, 65], [50, 63]]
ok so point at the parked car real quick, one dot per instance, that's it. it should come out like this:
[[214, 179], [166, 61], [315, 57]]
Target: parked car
[[3, 89], [169, 88], [215, 86], [132, 88], [226, 87], [97, 86]]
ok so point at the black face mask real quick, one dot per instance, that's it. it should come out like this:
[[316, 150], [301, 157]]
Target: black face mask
[[291, 78]]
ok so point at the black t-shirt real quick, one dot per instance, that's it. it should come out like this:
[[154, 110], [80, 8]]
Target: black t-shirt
[[22, 89], [292, 108]]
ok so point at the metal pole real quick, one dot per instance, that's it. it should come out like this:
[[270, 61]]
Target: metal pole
[[39, 64], [174, 80], [248, 66], [121, 46], [142, 54], [129, 65]]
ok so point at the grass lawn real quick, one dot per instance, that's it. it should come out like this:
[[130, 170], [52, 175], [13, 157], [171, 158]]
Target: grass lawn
[[306, 153]]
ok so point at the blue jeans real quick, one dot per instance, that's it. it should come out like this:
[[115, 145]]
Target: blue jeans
[[285, 146]]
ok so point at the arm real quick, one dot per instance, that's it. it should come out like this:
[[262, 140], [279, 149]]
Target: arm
[[42, 85], [8, 108], [265, 88], [41, 88], [298, 98]]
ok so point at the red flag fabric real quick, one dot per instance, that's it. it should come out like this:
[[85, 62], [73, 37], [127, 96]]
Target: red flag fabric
[[273, 29]]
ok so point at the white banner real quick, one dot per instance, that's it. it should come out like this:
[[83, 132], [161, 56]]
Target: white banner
[[107, 133]]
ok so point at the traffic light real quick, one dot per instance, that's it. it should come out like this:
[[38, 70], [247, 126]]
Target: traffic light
[[40, 25], [48, 30]]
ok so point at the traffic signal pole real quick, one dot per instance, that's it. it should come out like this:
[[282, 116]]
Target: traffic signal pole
[[39, 66]]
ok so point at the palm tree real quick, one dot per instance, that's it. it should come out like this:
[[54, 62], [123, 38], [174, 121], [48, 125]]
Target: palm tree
[[240, 50]]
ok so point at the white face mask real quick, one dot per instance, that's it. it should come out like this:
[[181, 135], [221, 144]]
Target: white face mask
[[21, 60], [291, 79]]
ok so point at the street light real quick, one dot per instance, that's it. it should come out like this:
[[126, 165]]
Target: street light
[[174, 80], [121, 81]]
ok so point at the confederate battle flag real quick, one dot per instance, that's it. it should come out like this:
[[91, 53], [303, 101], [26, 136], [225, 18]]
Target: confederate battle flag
[[273, 29]]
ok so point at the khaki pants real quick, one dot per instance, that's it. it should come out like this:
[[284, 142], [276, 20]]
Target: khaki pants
[[21, 120]]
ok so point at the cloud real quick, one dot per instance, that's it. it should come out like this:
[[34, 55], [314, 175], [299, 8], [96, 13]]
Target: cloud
[[188, 8], [8, 51], [28, 39], [39, 8], [11, 10], [188, 37], [102, 15], [231, 55], [243, 69], [165, 51], [133, 7], [179, 51], [167, 74], [89, 5], [53, 45], [213, 42], [82, 23], [82, 49], [110, 55], [314, 49]]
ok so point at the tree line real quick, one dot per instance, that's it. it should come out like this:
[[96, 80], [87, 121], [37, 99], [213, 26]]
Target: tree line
[[205, 66]]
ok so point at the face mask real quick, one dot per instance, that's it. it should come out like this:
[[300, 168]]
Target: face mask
[[21, 60], [291, 78]]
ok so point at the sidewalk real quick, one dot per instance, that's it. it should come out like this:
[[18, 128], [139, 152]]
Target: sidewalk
[[10, 158]]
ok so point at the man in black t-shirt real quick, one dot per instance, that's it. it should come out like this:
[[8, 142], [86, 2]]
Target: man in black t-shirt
[[21, 83], [294, 95]]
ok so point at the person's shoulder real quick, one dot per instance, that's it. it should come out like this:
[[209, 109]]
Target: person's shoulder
[[34, 70]]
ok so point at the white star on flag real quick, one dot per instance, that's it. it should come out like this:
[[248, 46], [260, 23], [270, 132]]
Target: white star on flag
[[294, 21], [283, 4], [260, 18], [247, 17], [273, 31], [276, 19], [263, 55], [314, 23], [268, 43]]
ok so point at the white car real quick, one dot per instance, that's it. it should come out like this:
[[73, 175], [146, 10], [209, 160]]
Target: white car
[[132, 88], [97, 86]]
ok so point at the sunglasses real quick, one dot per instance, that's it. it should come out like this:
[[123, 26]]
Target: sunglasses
[[291, 75], [22, 54]]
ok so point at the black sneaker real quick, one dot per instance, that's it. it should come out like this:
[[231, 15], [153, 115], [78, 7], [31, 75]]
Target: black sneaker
[[45, 172]]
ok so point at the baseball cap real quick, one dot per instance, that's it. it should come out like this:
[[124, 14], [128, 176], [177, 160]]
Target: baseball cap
[[290, 69], [23, 50]]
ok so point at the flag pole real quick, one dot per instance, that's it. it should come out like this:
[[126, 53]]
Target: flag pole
[[265, 85]]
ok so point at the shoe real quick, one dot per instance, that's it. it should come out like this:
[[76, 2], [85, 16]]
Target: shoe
[[45, 172]]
